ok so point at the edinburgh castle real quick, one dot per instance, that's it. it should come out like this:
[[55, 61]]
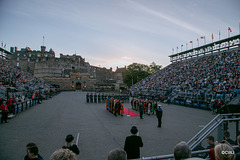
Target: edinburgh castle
[[69, 72]]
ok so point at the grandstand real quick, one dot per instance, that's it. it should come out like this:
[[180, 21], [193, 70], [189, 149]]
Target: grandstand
[[5, 54], [205, 77], [20, 85]]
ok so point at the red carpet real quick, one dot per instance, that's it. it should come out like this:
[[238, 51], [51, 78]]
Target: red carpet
[[130, 113]]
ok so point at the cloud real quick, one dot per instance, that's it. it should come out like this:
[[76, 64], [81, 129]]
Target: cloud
[[175, 21]]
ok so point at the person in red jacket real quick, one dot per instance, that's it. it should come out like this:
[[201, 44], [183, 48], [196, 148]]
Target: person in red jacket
[[4, 110], [11, 104]]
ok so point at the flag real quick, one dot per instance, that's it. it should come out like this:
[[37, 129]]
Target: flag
[[190, 42], [2, 44], [212, 36], [229, 29], [203, 37], [197, 39]]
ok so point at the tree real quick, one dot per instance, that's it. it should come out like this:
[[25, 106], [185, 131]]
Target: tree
[[136, 72], [154, 67]]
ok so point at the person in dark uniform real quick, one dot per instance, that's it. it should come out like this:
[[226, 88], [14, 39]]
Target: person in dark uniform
[[87, 97], [103, 98], [95, 97], [159, 113], [91, 98], [132, 144], [99, 98]]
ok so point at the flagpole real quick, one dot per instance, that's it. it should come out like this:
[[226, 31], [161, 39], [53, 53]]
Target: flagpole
[[219, 35]]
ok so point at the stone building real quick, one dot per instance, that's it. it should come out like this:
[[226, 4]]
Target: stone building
[[70, 72]]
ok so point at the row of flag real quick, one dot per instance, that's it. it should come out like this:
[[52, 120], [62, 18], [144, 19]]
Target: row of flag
[[204, 38]]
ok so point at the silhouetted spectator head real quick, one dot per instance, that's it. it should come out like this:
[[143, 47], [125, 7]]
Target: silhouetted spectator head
[[134, 130], [223, 151], [63, 154], [30, 144], [117, 154], [32, 152], [69, 138], [182, 151], [210, 140]]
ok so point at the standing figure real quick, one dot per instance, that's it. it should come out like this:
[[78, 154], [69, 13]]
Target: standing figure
[[95, 97], [159, 113], [69, 144], [132, 144], [91, 98], [4, 109], [122, 109], [108, 104], [103, 97], [132, 103], [149, 108], [87, 97], [141, 110], [99, 98]]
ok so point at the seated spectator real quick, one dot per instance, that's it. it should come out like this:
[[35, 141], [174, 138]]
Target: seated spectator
[[198, 148], [227, 138], [33, 153], [69, 144], [210, 141], [63, 154], [29, 145], [117, 154], [223, 151], [182, 151]]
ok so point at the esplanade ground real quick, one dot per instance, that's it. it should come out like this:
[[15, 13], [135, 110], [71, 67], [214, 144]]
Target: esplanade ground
[[47, 125]]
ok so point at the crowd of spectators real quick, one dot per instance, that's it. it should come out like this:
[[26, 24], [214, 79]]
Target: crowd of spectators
[[217, 72], [17, 85]]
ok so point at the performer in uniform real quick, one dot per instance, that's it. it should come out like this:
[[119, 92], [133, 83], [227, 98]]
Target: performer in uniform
[[159, 113], [122, 110], [87, 97]]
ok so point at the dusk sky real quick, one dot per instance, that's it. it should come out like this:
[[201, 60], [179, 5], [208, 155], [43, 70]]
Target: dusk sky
[[111, 33]]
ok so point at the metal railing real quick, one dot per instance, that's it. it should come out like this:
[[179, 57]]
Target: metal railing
[[171, 156], [202, 134]]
